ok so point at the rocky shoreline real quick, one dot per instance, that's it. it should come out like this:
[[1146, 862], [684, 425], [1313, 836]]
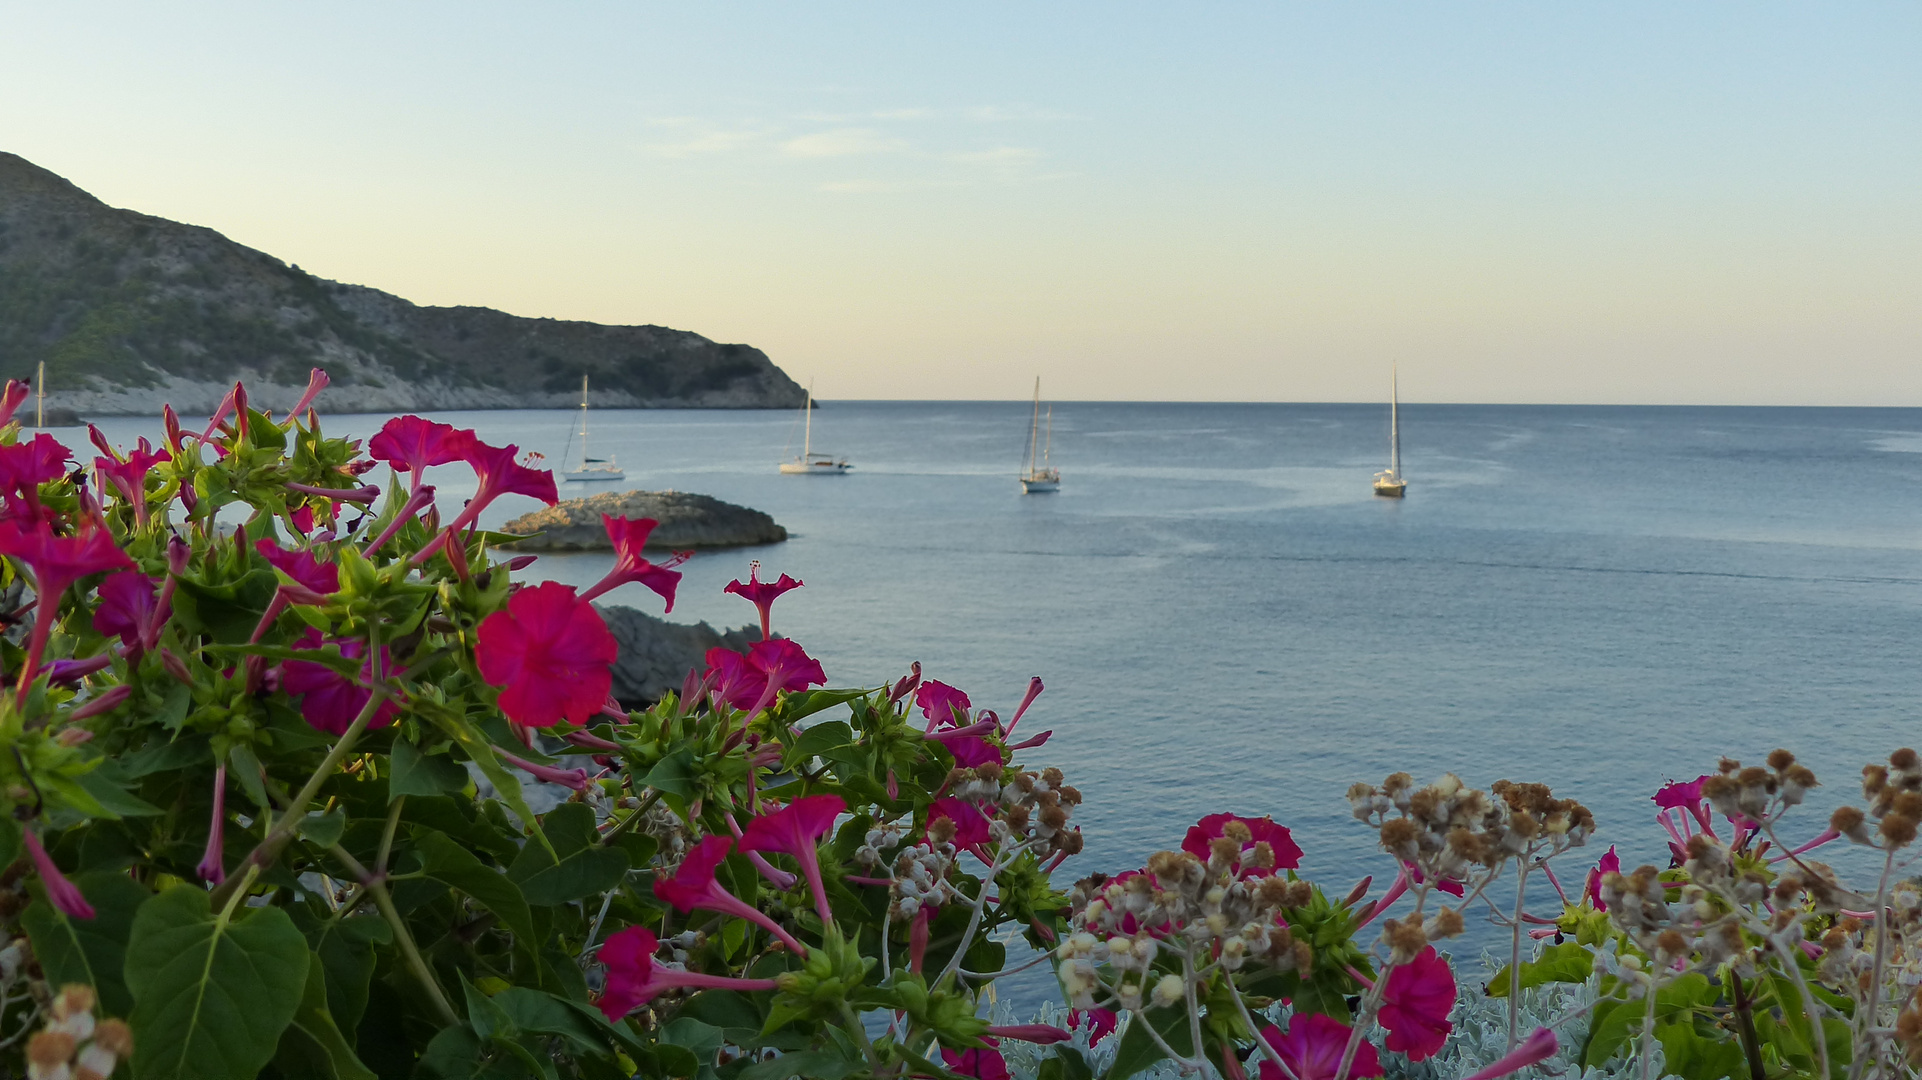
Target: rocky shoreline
[[656, 655], [687, 521]]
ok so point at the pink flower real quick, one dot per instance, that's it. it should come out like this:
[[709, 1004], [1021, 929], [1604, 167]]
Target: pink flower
[[552, 654], [1415, 1006], [317, 381], [1538, 1047], [1262, 829], [634, 979], [129, 476], [785, 666], [64, 894], [573, 778], [1313, 1047], [213, 865], [329, 700], [794, 829], [1101, 1023], [11, 399], [25, 466], [126, 606], [55, 563], [693, 886], [1034, 691], [321, 577], [942, 704], [970, 825], [984, 1063], [972, 751], [1609, 863], [761, 594], [1039, 1034], [410, 444], [1686, 795], [733, 681], [630, 537], [500, 475]]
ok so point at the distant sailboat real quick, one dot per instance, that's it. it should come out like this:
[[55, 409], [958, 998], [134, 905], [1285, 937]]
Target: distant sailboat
[[1388, 482], [811, 463], [1040, 476], [592, 468]]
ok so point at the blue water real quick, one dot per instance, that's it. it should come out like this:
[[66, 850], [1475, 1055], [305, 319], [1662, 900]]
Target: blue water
[[1594, 598]]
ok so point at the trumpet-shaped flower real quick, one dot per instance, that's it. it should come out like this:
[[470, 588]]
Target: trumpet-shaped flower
[[329, 700], [321, 577], [1200, 839], [410, 444], [55, 563], [982, 1063], [1609, 863], [551, 653], [1101, 1022], [25, 466], [126, 608], [213, 866], [129, 477], [1415, 1005], [1313, 1047], [634, 977], [794, 830], [11, 398], [499, 475], [942, 704], [762, 594], [693, 886], [1538, 1047], [64, 894], [732, 680], [973, 751], [630, 538]]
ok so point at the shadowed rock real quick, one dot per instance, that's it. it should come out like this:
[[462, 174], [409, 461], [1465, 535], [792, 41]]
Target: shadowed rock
[[687, 521], [656, 655]]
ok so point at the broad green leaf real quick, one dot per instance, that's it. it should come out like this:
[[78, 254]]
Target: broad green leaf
[[111, 794], [821, 738], [211, 995], [452, 865], [314, 1041], [416, 774], [538, 1013], [673, 774], [1138, 1051], [1568, 962], [702, 1041], [1074, 1064], [345, 950], [90, 951], [228, 612], [451, 1055], [162, 755], [585, 868], [1693, 1056], [795, 706], [323, 830]]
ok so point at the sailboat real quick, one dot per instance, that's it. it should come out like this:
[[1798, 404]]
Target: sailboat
[[592, 468], [1388, 482], [811, 463], [1040, 476]]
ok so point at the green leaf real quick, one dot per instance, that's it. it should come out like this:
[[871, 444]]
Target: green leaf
[[454, 866], [229, 612], [589, 872], [451, 1055], [821, 738], [417, 774], [1692, 1056], [539, 1013], [345, 949], [1138, 1051], [164, 755], [323, 830], [110, 793], [827, 1063], [1568, 962], [702, 1041], [314, 1042], [211, 995], [90, 951], [673, 774], [796, 706], [1074, 1064]]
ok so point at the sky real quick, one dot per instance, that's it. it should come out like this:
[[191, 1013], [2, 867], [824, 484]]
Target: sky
[[1549, 202]]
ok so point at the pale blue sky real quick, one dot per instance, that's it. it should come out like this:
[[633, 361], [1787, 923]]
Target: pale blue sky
[[1516, 202]]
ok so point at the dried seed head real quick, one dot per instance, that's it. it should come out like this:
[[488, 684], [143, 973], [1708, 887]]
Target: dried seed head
[[941, 831], [1401, 837], [1238, 832], [48, 1050], [1904, 759], [1405, 938], [1849, 821], [1447, 923], [1780, 759], [1898, 829]]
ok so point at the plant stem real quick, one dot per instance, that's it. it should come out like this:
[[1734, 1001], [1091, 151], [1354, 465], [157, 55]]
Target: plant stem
[[1261, 1040], [1745, 1027], [1648, 1032], [1515, 955], [402, 936], [387, 835], [1866, 1018]]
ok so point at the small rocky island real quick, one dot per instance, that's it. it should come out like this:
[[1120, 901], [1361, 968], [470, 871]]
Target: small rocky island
[[656, 655], [687, 521]]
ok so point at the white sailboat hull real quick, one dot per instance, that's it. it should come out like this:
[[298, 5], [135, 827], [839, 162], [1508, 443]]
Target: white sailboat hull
[[592, 475], [815, 468]]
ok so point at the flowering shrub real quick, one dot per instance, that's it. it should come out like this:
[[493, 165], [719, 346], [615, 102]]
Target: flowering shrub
[[268, 726]]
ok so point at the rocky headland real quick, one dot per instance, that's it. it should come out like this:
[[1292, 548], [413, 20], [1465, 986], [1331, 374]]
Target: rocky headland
[[656, 655], [130, 311], [686, 521]]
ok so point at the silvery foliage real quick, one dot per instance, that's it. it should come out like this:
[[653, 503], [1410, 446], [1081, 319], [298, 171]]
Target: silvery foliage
[[1480, 1038]]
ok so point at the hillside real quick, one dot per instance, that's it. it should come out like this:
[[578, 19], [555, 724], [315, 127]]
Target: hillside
[[128, 311]]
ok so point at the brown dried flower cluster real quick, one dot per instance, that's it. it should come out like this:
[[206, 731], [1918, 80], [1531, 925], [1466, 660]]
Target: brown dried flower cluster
[[75, 1046], [1451, 831]]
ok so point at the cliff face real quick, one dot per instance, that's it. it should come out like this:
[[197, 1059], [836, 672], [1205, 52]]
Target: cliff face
[[128, 311]]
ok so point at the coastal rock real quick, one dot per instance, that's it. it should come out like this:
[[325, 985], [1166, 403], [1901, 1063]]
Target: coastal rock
[[687, 521], [656, 655], [130, 311]]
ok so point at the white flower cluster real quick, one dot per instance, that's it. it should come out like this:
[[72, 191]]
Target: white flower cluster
[[920, 880]]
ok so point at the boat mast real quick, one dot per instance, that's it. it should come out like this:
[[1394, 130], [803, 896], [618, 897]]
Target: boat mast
[[807, 428], [585, 457], [1047, 452], [40, 399], [1034, 425], [1394, 422]]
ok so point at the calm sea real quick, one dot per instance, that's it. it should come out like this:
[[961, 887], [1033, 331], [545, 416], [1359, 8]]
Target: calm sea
[[1599, 599]]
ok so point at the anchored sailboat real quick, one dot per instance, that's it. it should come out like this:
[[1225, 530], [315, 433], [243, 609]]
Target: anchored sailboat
[[1040, 476], [811, 463], [592, 468], [1388, 482]]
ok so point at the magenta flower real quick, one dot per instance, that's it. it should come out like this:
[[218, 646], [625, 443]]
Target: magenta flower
[[1039, 1034], [213, 866], [794, 829], [126, 606], [1202, 835], [500, 475], [551, 653], [25, 466], [732, 680], [573, 778], [11, 399], [630, 537], [301, 566], [1034, 691], [761, 594], [984, 1063], [1415, 1006], [1538, 1047], [634, 979], [330, 700], [410, 444], [129, 477], [942, 704], [693, 886], [1313, 1048], [64, 894], [317, 381], [972, 751], [1101, 1023], [1686, 795], [55, 563], [970, 825], [1609, 863]]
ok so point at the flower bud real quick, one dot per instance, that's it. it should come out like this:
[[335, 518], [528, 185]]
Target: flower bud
[[1168, 991]]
